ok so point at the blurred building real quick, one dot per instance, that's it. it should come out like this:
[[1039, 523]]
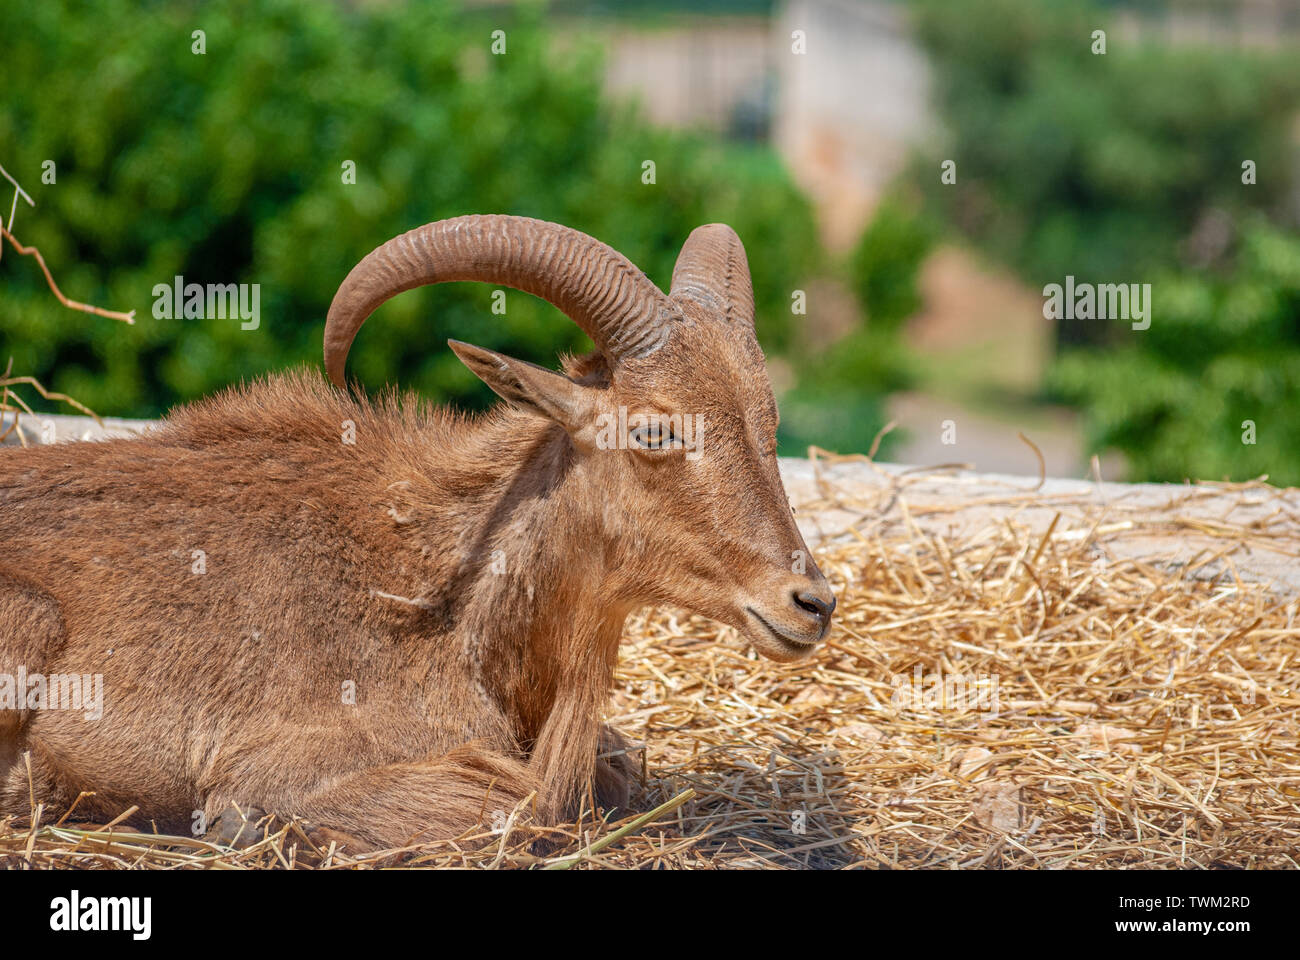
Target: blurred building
[[850, 109], [1243, 23], [843, 113]]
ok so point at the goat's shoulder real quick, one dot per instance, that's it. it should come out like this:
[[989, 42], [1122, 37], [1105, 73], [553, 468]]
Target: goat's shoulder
[[300, 407], [294, 407]]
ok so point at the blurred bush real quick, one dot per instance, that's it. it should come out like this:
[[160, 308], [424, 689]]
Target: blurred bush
[[1127, 168], [227, 167], [838, 401], [1210, 390], [886, 262]]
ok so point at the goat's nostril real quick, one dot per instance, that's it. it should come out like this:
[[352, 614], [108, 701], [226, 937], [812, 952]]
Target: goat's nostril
[[814, 604]]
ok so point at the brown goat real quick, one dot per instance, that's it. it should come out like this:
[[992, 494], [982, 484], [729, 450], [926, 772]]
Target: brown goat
[[387, 618]]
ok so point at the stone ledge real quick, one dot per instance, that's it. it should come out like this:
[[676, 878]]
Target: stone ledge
[[1215, 529], [45, 428]]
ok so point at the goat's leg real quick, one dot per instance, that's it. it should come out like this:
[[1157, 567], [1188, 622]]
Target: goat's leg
[[31, 632], [615, 770], [402, 803], [32, 780], [238, 826]]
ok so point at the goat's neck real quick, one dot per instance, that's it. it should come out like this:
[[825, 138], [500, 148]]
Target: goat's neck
[[528, 592]]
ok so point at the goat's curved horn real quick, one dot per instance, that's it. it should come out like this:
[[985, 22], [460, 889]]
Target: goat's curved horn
[[712, 270], [596, 286]]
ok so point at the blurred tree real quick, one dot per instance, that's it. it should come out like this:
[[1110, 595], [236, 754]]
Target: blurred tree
[[837, 402], [228, 166], [1098, 165], [887, 261], [1211, 389], [1127, 168]]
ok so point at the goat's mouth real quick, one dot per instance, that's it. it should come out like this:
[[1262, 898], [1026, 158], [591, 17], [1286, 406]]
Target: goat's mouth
[[789, 645]]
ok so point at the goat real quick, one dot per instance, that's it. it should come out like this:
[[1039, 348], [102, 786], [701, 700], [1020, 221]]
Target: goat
[[387, 618]]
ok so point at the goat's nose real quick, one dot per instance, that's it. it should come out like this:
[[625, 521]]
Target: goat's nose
[[820, 603]]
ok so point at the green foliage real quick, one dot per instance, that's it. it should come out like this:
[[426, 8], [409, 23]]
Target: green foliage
[[227, 167], [1226, 351], [838, 402], [1099, 165], [885, 264], [1127, 168]]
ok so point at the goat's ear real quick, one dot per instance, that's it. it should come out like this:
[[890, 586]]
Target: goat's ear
[[528, 386]]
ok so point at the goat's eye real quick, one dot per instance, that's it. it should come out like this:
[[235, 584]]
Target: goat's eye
[[654, 436]]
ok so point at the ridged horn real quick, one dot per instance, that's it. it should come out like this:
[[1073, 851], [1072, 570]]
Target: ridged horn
[[713, 271], [596, 286]]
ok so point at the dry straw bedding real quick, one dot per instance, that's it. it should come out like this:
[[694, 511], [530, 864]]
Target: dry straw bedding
[[1118, 712]]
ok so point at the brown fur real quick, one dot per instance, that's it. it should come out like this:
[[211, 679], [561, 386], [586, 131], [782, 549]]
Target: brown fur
[[377, 563]]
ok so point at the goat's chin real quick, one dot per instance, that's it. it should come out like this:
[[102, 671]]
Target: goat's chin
[[782, 651], [772, 638], [774, 647]]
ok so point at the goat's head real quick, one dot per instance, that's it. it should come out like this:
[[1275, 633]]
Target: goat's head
[[673, 418]]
